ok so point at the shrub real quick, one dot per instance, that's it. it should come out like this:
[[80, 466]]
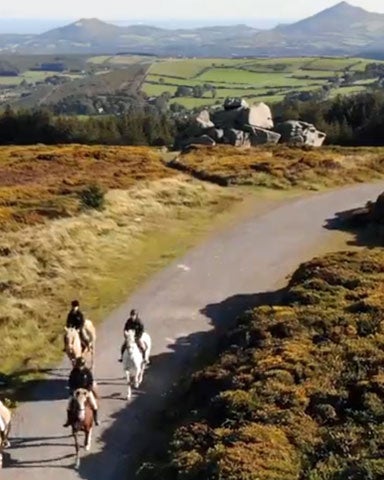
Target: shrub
[[92, 196]]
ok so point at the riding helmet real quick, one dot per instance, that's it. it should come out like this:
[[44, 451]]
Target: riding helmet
[[75, 303]]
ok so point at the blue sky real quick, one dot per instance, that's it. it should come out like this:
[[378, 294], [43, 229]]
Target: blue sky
[[172, 9]]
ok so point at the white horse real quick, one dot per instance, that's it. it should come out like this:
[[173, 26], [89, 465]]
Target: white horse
[[5, 426], [133, 362], [73, 346]]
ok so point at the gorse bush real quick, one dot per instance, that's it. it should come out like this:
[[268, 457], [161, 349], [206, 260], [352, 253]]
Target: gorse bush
[[92, 196], [299, 392]]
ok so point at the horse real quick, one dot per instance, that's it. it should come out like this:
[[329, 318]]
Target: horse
[[73, 345], [133, 362], [5, 427], [81, 420]]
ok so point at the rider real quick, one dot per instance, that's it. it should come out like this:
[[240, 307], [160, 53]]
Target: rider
[[75, 319], [81, 377], [136, 324]]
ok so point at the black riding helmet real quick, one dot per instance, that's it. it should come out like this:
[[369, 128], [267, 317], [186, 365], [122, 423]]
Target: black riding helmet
[[134, 313], [75, 303]]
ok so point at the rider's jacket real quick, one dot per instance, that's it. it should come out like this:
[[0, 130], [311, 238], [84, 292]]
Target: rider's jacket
[[134, 324], [75, 319], [80, 378]]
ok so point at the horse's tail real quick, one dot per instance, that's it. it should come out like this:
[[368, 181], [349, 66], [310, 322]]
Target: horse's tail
[[90, 330]]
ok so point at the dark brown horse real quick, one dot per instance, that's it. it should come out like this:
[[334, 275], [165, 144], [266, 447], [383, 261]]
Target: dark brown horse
[[81, 419]]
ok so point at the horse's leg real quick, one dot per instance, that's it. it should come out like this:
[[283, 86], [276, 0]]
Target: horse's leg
[[7, 443], [129, 389], [88, 439], [77, 461], [140, 375]]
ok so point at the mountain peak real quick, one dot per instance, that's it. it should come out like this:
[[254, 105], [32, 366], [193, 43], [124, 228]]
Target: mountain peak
[[344, 7]]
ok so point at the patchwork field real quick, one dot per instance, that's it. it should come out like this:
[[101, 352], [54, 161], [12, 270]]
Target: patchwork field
[[256, 80]]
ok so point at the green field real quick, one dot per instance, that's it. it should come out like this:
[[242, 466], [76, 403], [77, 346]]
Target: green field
[[32, 77], [264, 79]]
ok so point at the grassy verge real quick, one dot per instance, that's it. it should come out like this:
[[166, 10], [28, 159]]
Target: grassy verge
[[99, 257], [283, 167], [297, 391]]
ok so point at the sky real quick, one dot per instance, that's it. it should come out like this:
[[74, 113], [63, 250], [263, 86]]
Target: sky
[[220, 10]]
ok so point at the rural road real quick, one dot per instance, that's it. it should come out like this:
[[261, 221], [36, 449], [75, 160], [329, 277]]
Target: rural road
[[181, 306]]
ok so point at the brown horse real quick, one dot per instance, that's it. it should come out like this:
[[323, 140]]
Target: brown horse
[[5, 426], [81, 419]]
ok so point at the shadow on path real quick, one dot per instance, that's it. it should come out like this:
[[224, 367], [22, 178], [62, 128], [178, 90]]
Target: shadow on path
[[138, 427], [355, 222]]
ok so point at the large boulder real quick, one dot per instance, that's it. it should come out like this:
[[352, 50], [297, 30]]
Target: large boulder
[[198, 125], [261, 136], [258, 115], [227, 119], [237, 138], [233, 103], [295, 132], [203, 120]]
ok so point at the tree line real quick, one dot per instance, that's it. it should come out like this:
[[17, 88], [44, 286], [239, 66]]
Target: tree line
[[141, 127], [356, 120]]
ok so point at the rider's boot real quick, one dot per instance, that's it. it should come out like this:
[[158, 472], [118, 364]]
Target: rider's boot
[[95, 416], [122, 350], [68, 422], [4, 440]]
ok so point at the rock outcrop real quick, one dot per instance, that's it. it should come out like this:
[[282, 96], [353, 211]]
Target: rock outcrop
[[242, 125], [295, 132]]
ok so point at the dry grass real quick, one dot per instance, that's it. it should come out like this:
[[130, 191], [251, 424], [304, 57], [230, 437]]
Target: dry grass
[[43, 266], [43, 182], [283, 167]]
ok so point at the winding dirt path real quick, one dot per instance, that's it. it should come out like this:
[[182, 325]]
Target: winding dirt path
[[182, 306]]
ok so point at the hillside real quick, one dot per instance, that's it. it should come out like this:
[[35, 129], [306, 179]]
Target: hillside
[[297, 390], [73, 221], [339, 30], [282, 167]]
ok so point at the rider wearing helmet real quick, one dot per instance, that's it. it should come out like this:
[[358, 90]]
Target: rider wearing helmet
[[75, 319], [81, 377], [136, 324]]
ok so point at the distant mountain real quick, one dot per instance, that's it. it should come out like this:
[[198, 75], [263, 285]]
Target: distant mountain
[[342, 19], [340, 30]]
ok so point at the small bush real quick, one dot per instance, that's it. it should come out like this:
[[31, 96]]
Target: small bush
[[92, 196]]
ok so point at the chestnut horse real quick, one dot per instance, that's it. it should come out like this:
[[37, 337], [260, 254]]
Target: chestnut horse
[[81, 420], [73, 347]]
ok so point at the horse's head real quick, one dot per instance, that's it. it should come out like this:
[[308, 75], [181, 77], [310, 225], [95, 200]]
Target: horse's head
[[80, 397], [130, 337]]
